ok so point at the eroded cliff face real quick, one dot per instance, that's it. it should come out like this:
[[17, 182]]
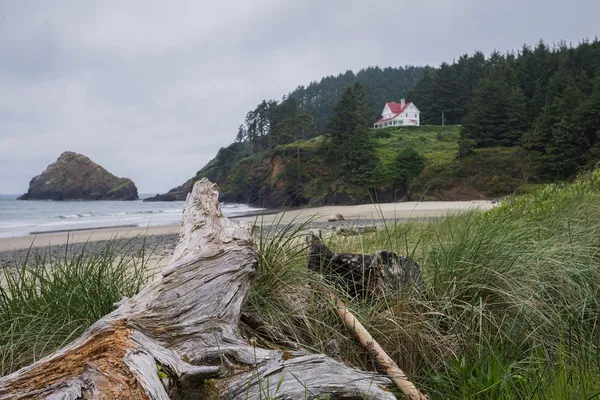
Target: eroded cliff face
[[75, 177]]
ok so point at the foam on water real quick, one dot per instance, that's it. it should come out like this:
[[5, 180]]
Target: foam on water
[[19, 218]]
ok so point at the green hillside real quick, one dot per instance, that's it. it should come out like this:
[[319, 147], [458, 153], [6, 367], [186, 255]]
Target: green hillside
[[272, 178], [508, 121]]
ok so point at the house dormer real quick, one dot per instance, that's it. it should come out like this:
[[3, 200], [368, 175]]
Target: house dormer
[[387, 112]]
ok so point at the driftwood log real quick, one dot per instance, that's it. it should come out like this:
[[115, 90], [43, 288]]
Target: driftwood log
[[384, 361], [179, 337], [360, 275]]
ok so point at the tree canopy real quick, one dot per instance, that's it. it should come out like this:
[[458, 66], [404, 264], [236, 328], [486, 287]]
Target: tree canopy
[[545, 99]]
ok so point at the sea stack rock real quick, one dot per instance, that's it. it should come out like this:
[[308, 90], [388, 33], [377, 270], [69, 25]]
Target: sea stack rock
[[75, 177]]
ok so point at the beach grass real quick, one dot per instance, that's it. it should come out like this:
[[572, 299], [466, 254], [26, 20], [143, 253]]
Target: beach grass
[[46, 302], [509, 307]]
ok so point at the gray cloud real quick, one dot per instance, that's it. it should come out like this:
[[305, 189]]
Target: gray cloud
[[151, 89]]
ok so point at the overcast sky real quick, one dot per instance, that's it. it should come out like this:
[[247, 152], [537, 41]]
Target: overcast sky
[[152, 89]]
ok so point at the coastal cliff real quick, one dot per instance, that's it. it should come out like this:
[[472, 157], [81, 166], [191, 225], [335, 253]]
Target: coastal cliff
[[270, 179], [217, 170], [75, 177]]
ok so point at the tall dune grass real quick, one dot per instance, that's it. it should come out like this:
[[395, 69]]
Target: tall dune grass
[[511, 306], [45, 303]]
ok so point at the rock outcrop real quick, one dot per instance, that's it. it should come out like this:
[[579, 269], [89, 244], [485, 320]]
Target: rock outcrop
[[178, 193], [336, 217], [75, 177]]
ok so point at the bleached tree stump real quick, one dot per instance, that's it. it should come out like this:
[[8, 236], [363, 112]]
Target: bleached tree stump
[[179, 338]]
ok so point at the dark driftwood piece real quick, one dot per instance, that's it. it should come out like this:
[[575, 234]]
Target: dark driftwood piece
[[365, 276], [179, 337], [361, 275]]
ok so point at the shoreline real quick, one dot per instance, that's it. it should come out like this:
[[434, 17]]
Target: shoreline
[[79, 229], [372, 212]]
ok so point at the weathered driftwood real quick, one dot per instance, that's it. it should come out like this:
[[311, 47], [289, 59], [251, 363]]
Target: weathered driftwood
[[179, 338], [361, 275], [384, 361]]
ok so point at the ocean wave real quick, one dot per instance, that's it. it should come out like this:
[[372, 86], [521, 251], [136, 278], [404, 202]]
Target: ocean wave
[[239, 208], [70, 216]]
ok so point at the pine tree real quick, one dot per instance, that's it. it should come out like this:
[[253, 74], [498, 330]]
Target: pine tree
[[351, 146], [422, 95], [589, 117], [296, 128], [445, 94], [516, 117], [563, 152], [497, 113]]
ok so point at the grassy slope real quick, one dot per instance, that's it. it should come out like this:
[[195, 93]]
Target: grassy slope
[[485, 173]]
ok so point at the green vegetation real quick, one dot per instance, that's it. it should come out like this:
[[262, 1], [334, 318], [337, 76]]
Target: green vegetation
[[510, 306], [511, 303], [46, 303], [317, 171], [546, 100], [350, 146]]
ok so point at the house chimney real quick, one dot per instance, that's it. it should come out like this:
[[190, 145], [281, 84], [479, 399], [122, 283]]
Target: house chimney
[[402, 102]]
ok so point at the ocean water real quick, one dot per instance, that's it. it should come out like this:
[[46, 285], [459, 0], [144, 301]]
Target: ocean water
[[20, 218]]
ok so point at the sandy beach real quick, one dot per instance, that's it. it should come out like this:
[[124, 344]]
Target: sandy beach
[[401, 211], [404, 210]]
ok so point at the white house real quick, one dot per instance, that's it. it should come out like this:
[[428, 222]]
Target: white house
[[399, 114]]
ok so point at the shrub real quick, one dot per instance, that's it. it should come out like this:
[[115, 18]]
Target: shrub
[[466, 147]]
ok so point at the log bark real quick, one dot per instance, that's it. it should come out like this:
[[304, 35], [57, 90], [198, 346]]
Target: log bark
[[361, 275], [179, 337]]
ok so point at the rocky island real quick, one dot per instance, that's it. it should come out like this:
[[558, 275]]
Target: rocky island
[[75, 177]]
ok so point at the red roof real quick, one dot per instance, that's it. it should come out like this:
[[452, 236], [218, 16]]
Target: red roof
[[395, 108]]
